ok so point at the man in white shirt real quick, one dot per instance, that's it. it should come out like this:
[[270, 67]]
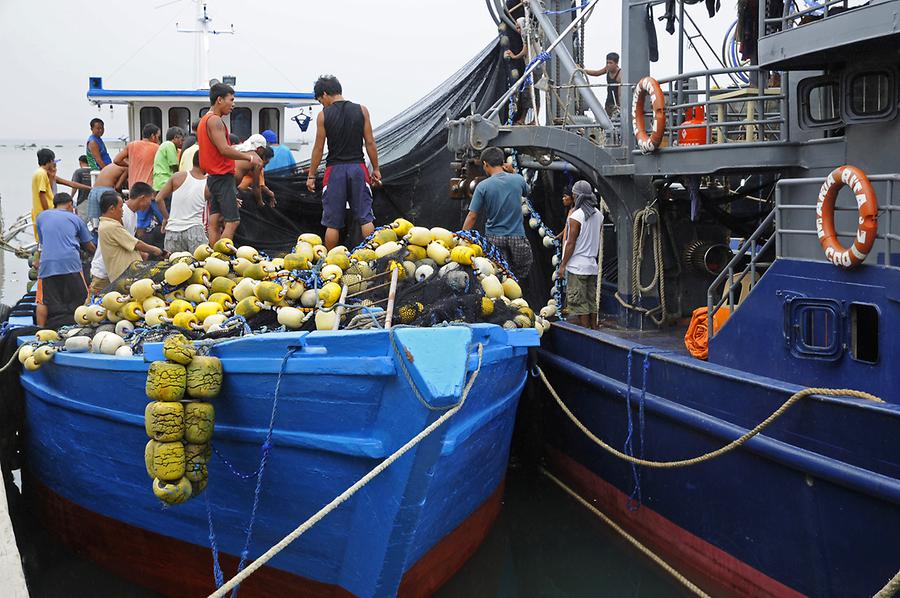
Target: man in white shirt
[[579, 261], [184, 226], [139, 198]]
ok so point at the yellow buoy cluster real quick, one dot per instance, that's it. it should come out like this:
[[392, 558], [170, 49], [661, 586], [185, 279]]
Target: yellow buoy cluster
[[179, 419]]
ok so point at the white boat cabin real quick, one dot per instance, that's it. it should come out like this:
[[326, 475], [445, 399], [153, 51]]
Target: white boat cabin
[[254, 111]]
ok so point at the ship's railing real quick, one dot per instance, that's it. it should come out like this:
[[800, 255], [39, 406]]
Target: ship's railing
[[814, 11], [728, 286], [753, 114], [797, 221], [566, 94], [755, 247]]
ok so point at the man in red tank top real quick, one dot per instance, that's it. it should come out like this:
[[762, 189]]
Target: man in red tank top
[[217, 159]]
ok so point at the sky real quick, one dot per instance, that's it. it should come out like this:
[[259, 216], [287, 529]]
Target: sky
[[387, 53]]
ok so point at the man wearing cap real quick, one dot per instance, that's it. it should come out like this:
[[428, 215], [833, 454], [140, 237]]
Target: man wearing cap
[[61, 286], [283, 157], [250, 178]]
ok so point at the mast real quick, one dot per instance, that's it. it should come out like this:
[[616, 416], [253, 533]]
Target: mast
[[201, 43]]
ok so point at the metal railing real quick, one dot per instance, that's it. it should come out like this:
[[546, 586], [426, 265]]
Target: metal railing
[[814, 11], [732, 114], [752, 247]]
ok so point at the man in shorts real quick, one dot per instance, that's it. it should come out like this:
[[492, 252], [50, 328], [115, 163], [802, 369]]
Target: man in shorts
[[579, 261], [217, 159], [346, 126], [499, 198], [61, 285], [184, 227]]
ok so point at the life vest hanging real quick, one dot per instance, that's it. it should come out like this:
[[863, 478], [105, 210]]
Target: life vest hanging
[[867, 228], [648, 143]]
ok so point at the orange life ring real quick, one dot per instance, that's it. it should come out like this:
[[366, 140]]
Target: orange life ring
[[648, 142], [867, 203]]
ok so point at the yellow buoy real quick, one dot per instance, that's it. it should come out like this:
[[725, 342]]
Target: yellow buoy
[[248, 253], [165, 460], [179, 349], [196, 293], [341, 260], [46, 335], [164, 421], [196, 459], [385, 235], [141, 289], [291, 317], [492, 287], [199, 421], [331, 272], [178, 306], [43, 354], [487, 307], [438, 252], [208, 308], [269, 291], [329, 294], [386, 249], [177, 274], [220, 284], [295, 289], [416, 253], [152, 303], [223, 299], [165, 381], [442, 234], [213, 320], [511, 288], [419, 235], [25, 351], [364, 254], [309, 298], [305, 250], [401, 226], [326, 319], [216, 267], [200, 276], [186, 320], [462, 255], [240, 265], [132, 311], [174, 492], [311, 238], [243, 289], [248, 307], [202, 252], [113, 301], [156, 316], [296, 261], [224, 245], [204, 377]]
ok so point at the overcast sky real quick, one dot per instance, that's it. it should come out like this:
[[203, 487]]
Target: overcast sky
[[387, 53]]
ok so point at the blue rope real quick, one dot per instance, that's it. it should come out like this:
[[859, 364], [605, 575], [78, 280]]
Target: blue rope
[[217, 568], [232, 468], [634, 501], [565, 10], [491, 251], [266, 448]]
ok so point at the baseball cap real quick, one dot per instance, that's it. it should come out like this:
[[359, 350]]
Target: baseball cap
[[270, 136], [253, 142]]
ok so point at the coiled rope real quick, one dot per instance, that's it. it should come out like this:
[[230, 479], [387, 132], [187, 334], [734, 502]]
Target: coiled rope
[[642, 228], [797, 396], [346, 494]]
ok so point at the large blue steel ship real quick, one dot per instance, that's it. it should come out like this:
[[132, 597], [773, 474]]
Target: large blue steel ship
[[731, 282]]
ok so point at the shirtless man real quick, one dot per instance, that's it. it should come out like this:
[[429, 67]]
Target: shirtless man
[[217, 158], [111, 178]]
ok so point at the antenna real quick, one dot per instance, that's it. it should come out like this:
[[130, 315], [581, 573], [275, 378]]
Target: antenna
[[201, 49]]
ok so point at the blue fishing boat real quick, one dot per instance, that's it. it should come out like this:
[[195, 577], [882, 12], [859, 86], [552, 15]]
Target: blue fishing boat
[[337, 404]]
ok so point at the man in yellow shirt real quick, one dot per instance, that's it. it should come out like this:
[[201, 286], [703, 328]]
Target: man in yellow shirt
[[119, 247], [43, 183]]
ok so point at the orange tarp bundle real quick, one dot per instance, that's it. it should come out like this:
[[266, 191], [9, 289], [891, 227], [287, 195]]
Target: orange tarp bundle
[[696, 339]]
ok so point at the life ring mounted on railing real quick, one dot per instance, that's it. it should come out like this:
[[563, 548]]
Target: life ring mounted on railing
[[867, 228], [648, 142]]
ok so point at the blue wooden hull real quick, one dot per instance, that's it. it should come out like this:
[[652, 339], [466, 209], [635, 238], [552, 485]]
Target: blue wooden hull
[[343, 407], [812, 507]]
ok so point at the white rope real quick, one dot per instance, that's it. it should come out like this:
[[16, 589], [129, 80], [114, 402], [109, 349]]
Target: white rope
[[346, 494], [12, 359]]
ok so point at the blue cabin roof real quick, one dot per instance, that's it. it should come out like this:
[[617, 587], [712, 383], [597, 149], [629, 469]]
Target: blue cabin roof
[[98, 94]]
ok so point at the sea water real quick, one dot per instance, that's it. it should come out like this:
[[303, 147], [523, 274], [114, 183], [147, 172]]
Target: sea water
[[543, 544]]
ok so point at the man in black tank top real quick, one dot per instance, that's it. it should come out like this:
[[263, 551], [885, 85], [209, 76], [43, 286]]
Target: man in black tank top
[[613, 81], [346, 127]]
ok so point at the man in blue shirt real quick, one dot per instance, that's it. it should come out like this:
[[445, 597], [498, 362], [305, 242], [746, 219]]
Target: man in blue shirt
[[499, 198], [61, 286], [283, 156], [96, 154]]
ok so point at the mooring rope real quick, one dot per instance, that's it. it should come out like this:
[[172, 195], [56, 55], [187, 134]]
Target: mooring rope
[[628, 537], [891, 588], [349, 492], [797, 396]]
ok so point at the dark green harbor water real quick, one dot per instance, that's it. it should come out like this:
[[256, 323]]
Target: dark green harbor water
[[544, 544]]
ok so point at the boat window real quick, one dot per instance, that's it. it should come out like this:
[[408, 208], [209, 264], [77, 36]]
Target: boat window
[[203, 112], [820, 102], [180, 117], [270, 119], [151, 115], [864, 332], [870, 94], [815, 326], [824, 103], [240, 123]]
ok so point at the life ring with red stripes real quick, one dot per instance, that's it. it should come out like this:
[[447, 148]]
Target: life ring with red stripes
[[648, 142], [867, 228]]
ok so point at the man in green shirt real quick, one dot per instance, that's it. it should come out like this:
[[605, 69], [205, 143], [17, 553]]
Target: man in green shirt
[[165, 164]]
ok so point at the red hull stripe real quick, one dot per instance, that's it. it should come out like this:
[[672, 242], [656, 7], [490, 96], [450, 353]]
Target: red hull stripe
[[710, 567], [176, 568]]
